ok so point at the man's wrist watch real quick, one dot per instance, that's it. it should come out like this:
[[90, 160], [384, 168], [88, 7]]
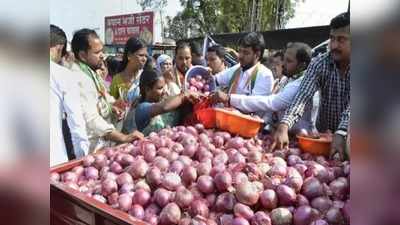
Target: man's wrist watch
[[341, 133]]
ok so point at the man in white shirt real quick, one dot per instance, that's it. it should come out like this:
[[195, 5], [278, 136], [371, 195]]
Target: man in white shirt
[[249, 77], [64, 99], [296, 59], [97, 103]]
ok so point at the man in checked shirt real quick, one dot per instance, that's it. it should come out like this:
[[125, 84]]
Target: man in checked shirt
[[329, 74]]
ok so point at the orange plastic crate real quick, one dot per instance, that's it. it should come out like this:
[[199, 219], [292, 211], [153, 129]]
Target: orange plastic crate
[[237, 123], [207, 117], [319, 146]]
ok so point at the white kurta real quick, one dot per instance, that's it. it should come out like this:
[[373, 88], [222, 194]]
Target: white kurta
[[97, 126], [263, 84], [273, 103], [64, 98]]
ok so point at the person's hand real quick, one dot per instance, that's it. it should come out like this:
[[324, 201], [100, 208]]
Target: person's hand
[[280, 137], [168, 75], [192, 96], [219, 96], [119, 113], [338, 146], [135, 135]]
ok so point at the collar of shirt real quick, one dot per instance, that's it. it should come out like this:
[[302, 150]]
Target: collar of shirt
[[248, 71]]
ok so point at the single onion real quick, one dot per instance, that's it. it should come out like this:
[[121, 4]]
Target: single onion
[[176, 167], [162, 197], [334, 216], [199, 207], [88, 160], [302, 200], [125, 188], [205, 184], [171, 181], [339, 188], [189, 175], [163, 152], [319, 222], [109, 186], [183, 197], [69, 177], [226, 219], [246, 193], [240, 221], [151, 219], [170, 214], [138, 169], [241, 210], [79, 170], [254, 156], [312, 188], [281, 216], [161, 163], [55, 177], [190, 150], [141, 184], [124, 178], [269, 199], [323, 204], [203, 168], [141, 197], [125, 202], [153, 208], [225, 202], [236, 142], [137, 211], [218, 141], [115, 167], [153, 177], [91, 173], [261, 218], [223, 181]]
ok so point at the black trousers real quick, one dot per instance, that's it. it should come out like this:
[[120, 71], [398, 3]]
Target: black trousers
[[68, 140]]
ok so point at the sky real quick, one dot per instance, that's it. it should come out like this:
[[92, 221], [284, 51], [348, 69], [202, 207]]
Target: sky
[[72, 15]]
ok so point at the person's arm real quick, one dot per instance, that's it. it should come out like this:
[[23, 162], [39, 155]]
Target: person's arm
[[167, 105], [344, 120], [271, 103], [114, 88], [119, 137], [76, 122], [308, 87]]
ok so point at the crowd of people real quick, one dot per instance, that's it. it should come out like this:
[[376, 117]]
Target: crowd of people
[[98, 101]]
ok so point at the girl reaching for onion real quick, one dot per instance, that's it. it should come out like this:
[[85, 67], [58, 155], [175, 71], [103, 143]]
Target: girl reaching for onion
[[156, 111]]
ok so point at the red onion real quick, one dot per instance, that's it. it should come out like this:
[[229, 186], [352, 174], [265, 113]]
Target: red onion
[[171, 181], [125, 188], [162, 197], [254, 156], [205, 184], [281, 216], [243, 150], [269, 199], [304, 215], [137, 211], [127, 160], [150, 155], [210, 199], [237, 158], [301, 168], [204, 139], [88, 160], [72, 185], [217, 169], [195, 191], [55, 177], [319, 222], [218, 141], [100, 161], [170, 214], [141, 197], [323, 204], [334, 216], [294, 151], [150, 219], [236, 142], [124, 178], [221, 158], [189, 150], [163, 152], [339, 188], [189, 175], [261, 218], [138, 169], [246, 193], [125, 202], [199, 127], [192, 130], [183, 197], [241, 210], [154, 176], [295, 182], [225, 202], [240, 221], [91, 173], [203, 168], [312, 188], [108, 187], [115, 167], [277, 170], [203, 155], [239, 177], [223, 181], [292, 160], [161, 162], [172, 156], [100, 198], [302, 200], [286, 195], [109, 175], [226, 219], [176, 167], [141, 184], [153, 208], [185, 221], [199, 207], [69, 177], [148, 147], [78, 170], [186, 160]]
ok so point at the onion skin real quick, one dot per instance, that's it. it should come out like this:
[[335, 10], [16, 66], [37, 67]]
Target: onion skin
[[281, 216], [269, 199], [261, 218], [170, 214]]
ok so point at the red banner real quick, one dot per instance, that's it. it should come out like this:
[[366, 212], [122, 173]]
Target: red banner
[[118, 29]]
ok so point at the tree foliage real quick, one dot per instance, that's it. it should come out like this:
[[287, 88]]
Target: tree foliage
[[201, 17]]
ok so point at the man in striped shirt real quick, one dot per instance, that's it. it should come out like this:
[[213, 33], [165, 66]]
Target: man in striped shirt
[[329, 74]]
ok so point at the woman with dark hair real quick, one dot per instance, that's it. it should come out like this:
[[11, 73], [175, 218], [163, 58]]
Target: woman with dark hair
[[155, 111], [133, 61]]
